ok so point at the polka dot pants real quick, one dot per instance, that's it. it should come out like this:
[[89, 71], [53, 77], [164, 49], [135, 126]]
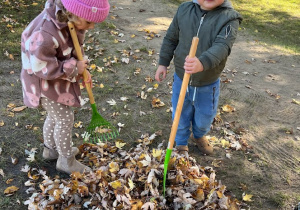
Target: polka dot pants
[[57, 130]]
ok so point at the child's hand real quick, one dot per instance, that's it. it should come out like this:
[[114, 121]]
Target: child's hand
[[161, 72], [82, 65], [88, 81], [192, 65]]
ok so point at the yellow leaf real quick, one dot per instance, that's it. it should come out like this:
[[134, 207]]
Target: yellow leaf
[[296, 102], [114, 167], [155, 86], [146, 30], [220, 194], [120, 144], [34, 4], [116, 184], [198, 181], [93, 66], [78, 124], [101, 85], [156, 153], [1, 123], [200, 196], [225, 144], [247, 197], [131, 184], [132, 36], [11, 190], [228, 108], [11, 105], [136, 204]]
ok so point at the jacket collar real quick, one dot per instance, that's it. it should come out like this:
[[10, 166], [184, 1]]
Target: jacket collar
[[226, 4]]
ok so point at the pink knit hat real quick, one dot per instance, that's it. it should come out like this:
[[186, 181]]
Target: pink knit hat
[[92, 10]]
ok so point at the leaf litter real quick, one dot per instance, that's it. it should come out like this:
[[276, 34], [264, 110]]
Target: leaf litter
[[130, 180]]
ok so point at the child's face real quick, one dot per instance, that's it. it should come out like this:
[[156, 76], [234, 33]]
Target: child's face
[[210, 4], [83, 24]]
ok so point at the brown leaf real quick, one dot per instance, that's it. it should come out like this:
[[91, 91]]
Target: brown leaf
[[9, 181], [10, 190]]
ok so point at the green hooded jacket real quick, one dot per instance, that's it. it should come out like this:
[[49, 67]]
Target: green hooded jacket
[[217, 34]]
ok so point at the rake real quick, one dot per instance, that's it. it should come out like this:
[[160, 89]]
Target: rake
[[182, 93], [99, 129]]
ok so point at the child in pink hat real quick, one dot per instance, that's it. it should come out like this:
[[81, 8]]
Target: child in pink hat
[[51, 72]]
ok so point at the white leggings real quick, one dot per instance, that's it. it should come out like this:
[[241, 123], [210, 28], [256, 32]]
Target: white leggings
[[57, 130]]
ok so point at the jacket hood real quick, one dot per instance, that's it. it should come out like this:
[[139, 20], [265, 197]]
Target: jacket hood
[[226, 4]]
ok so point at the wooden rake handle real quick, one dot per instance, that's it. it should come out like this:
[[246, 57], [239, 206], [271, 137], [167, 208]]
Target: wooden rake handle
[[80, 57], [183, 89]]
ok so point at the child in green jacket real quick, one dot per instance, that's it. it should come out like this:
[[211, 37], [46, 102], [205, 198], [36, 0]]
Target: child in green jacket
[[216, 23]]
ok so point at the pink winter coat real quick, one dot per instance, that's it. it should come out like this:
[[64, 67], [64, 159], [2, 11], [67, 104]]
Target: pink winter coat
[[48, 63]]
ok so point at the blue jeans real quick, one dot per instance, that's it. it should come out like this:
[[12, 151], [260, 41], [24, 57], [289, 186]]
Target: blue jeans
[[199, 109]]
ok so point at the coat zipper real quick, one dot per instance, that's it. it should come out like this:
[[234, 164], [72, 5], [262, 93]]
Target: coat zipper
[[200, 24]]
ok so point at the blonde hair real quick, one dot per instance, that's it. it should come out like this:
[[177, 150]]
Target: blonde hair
[[63, 15]]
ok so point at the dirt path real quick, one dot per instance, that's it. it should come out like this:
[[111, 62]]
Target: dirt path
[[258, 74]]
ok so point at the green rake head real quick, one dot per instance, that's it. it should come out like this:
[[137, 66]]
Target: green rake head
[[99, 129]]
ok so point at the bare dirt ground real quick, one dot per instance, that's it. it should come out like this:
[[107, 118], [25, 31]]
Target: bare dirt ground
[[260, 82], [264, 82]]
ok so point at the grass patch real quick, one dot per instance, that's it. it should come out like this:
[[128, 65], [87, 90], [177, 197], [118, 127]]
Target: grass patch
[[279, 199], [276, 22]]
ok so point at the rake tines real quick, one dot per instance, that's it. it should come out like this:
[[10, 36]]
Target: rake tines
[[101, 134], [99, 129]]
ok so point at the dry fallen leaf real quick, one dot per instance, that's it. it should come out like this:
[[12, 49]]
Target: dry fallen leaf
[[156, 103], [228, 108], [10, 190], [1, 172], [120, 144], [295, 101], [247, 197], [19, 109]]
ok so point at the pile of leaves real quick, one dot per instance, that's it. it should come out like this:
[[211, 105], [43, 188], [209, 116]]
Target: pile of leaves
[[130, 180]]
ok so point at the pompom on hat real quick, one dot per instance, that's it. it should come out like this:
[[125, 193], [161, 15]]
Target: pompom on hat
[[92, 10]]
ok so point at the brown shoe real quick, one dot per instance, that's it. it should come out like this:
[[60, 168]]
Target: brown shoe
[[183, 150], [52, 154], [204, 146]]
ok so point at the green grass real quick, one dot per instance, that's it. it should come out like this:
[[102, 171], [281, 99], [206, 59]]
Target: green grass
[[275, 22]]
